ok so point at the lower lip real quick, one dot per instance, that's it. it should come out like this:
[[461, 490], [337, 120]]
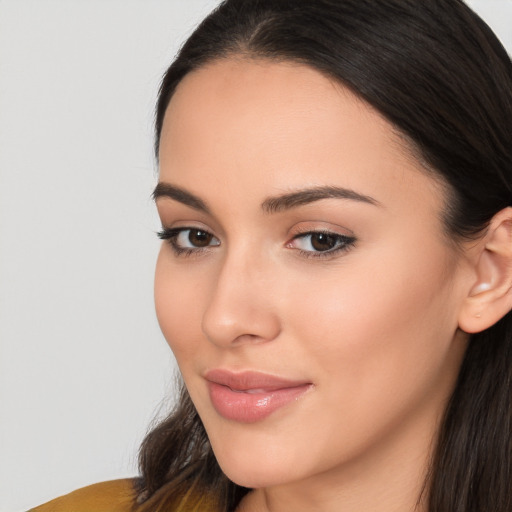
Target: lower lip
[[245, 407]]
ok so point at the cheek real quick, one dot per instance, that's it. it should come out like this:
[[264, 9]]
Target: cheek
[[178, 308], [382, 333]]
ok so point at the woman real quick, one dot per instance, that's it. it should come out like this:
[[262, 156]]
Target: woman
[[336, 274]]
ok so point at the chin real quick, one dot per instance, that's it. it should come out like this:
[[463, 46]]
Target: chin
[[255, 470], [255, 477]]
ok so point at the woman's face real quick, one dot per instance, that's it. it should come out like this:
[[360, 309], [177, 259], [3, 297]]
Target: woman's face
[[305, 286]]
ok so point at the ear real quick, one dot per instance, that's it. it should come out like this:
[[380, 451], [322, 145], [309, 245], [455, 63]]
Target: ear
[[490, 296]]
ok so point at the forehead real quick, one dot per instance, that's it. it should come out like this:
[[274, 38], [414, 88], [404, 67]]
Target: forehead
[[270, 103], [261, 125]]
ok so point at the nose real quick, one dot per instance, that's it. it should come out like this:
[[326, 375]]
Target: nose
[[241, 308]]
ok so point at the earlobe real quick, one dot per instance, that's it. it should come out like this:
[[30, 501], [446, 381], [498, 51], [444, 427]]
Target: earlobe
[[490, 295]]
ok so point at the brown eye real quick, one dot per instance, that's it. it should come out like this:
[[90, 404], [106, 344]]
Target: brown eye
[[188, 240], [323, 241], [318, 243], [198, 238]]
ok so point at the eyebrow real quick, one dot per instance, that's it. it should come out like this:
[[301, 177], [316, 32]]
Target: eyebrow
[[310, 195], [271, 204], [182, 196]]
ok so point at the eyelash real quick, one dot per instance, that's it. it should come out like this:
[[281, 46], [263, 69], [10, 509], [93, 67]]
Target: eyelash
[[171, 235], [344, 242]]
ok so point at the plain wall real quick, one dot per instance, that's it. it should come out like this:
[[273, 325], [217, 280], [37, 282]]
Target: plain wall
[[83, 366]]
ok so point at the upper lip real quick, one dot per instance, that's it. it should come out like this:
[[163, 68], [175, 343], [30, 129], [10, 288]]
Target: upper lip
[[247, 380]]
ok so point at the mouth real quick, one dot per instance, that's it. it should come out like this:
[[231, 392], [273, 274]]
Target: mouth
[[248, 397]]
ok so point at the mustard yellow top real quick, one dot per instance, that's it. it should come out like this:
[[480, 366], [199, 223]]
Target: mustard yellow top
[[113, 496]]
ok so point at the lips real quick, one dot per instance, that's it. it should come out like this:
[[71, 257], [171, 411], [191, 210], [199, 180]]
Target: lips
[[248, 397]]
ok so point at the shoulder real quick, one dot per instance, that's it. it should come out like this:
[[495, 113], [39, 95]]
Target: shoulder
[[113, 496]]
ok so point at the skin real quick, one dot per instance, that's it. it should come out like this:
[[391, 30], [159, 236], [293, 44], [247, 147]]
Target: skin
[[374, 327]]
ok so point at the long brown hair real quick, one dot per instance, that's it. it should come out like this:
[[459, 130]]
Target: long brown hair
[[436, 71]]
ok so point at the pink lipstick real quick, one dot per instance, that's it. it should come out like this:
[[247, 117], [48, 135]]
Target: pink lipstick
[[248, 397]]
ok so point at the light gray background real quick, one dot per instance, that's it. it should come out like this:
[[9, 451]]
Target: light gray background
[[83, 366]]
